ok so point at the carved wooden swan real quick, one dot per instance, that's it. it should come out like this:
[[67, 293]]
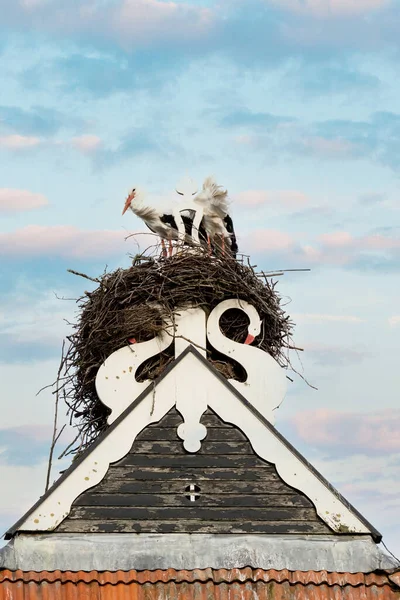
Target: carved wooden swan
[[265, 386], [116, 384]]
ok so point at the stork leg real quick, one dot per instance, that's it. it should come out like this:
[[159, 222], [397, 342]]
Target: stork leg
[[209, 244], [164, 250], [170, 247]]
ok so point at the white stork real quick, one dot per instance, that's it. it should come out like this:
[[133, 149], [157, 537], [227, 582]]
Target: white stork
[[217, 222], [157, 221], [163, 223]]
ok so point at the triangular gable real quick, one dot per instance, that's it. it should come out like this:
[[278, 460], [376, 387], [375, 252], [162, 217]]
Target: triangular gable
[[191, 383], [224, 488]]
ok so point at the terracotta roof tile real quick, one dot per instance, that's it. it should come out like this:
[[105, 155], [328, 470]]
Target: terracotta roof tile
[[199, 584]]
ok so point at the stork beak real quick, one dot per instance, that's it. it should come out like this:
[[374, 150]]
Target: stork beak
[[128, 202], [250, 339]]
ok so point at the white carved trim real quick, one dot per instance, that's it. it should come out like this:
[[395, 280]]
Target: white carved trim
[[212, 392], [266, 383], [116, 385]]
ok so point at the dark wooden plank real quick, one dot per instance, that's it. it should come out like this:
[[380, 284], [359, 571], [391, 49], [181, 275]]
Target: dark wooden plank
[[125, 486], [191, 474], [192, 512], [194, 526], [214, 448], [182, 499], [192, 460], [169, 434]]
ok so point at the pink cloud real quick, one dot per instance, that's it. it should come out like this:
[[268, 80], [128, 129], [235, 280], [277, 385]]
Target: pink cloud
[[20, 200], [19, 142], [332, 8], [338, 248], [367, 433], [39, 433], [64, 241], [337, 239], [287, 198], [142, 18], [86, 143], [394, 321], [332, 148], [270, 239]]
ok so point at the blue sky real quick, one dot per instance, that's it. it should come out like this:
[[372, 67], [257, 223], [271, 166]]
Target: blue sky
[[294, 106]]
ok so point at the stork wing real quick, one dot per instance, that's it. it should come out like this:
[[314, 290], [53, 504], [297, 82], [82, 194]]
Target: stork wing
[[214, 197]]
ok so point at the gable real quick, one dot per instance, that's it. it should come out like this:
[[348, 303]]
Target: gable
[[191, 395], [158, 487]]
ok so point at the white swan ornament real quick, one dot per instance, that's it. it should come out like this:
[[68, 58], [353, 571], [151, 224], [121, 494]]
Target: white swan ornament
[[116, 384], [266, 384]]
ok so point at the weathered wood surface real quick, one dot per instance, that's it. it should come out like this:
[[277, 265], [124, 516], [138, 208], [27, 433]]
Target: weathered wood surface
[[183, 499], [113, 486], [172, 447], [193, 526], [191, 474], [181, 461], [236, 491], [192, 511]]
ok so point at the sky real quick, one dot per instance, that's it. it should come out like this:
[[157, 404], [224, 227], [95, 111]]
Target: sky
[[293, 105]]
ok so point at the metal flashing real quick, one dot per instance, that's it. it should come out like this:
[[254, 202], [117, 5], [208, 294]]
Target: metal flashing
[[111, 552]]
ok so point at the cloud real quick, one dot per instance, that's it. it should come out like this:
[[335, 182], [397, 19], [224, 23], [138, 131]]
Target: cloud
[[270, 240], [246, 118], [62, 241], [19, 142], [287, 198], [86, 143], [331, 8], [332, 357], [329, 78], [349, 433], [372, 198], [329, 147], [24, 486], [315, 318], [394, 321], [38, 120], [20, 200], [147, 19], [25, 445]]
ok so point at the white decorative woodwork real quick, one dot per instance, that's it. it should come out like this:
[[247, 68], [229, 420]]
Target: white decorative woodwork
[[190, 328], [187, 189], [266, 384], [116, 384], [191, 383]]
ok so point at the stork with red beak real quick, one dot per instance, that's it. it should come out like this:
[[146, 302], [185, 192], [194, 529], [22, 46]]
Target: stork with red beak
[[158, 222]]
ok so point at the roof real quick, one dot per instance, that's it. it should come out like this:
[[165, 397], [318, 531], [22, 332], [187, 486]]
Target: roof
[[191, 396], [199, 584]]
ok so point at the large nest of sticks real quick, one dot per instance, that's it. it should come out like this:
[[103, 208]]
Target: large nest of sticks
[[134, 303]]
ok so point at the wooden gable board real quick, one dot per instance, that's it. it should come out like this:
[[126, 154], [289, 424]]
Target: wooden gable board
[[150, 407], [223, 488]]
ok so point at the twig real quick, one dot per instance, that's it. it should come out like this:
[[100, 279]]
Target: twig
[[95, 279], [55, 435]]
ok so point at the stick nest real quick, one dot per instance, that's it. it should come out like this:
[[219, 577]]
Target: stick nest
[[134, 303]]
